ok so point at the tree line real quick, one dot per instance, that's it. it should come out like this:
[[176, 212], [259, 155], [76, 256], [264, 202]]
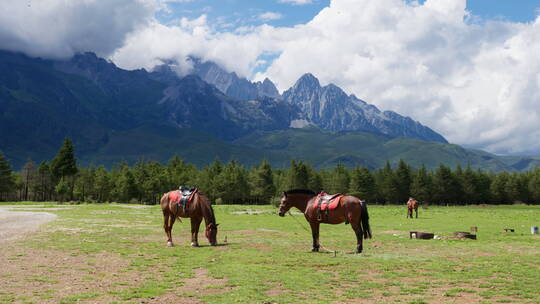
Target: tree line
[[61, 179]]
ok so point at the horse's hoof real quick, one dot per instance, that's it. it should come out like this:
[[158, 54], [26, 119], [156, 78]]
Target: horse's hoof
[[170, 244], [315, 249], [193, 244]]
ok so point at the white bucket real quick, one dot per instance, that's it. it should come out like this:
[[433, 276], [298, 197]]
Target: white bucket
[[534, 230]]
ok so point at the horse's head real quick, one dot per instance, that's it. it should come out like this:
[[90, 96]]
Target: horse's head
[[211, 233], [284, 205]]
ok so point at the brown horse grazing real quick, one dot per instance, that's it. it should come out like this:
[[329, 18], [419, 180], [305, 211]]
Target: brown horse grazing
[[198, 208], [412, 204], [349, 209]]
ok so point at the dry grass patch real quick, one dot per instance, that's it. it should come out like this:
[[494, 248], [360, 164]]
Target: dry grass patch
[[48, 276], [190, 290]]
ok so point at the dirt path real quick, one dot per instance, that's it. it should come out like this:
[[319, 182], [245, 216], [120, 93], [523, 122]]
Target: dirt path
[[15, 224]]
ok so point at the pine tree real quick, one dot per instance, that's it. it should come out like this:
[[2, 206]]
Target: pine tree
[[6, 179], [534, 186], [516, 188], [62, 189], [17, 185], [469, 185], [315, 181], [64, 164], [339, 180], [459, 195], [280, 180], [445, 185], [231, 184], [362, 183], [388, 185], [207, 179], [483, 182], [498, 188], [103, 185], [85, 184], [180, 173], [156, 183], [125, 187], [403, 181], [141, 175], [44, 182], [262, 184], [421, 187], [297, 176], [28, 176]]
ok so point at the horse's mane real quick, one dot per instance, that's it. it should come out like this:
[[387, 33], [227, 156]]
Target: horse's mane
[[300, 191], [212, 216], [206, 203]]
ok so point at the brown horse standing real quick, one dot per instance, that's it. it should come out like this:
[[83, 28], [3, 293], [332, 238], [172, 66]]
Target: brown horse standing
[[197, 209], [412, 204], [350, 209]]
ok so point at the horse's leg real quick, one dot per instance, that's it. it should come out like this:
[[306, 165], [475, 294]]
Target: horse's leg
[[172, 219], [416, 210], [315, 234], [166, 227], [356, 226], [195, 224]]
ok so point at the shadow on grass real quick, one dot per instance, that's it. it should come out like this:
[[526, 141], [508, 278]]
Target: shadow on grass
[[218, 245]]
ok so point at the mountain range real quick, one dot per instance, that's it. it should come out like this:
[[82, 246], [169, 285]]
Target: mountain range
[[114, 114]]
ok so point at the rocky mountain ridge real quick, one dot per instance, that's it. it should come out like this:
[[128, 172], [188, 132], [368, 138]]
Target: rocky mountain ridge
[[113, 114], [230, 84], [328, 107]]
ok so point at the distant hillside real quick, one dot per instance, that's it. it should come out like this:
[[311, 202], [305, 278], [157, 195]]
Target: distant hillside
[[326, 149], [113, 115], [322, 149]]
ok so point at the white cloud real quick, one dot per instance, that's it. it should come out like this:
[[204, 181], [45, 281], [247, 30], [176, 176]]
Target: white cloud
[[477, 83], [269, 16], [59, 28], [236, 51], [297, 2]]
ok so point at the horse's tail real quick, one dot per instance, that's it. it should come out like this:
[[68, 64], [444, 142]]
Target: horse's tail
[[364, 220]]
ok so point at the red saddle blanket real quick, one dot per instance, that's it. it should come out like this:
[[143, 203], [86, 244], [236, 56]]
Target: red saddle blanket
[[177, 196], [326, 201]]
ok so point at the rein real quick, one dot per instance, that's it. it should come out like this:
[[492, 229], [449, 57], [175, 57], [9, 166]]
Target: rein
[[299, 223], [320, 245]]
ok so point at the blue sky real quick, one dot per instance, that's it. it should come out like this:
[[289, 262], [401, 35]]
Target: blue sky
[[244, 12], [248, 12], [511, 10]]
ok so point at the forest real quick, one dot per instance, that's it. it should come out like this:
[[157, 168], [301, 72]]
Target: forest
[[144, 182]]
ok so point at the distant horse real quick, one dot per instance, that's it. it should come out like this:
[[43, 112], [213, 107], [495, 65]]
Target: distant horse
[[412, 204], [198, 208], [349, 209]]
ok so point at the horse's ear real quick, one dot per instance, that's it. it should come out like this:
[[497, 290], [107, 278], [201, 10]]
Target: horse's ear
[[284, 193]]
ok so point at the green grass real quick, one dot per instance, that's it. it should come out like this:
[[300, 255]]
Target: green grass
[[267, 259]]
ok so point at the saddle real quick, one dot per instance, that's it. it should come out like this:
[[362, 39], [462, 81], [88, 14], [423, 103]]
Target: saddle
[[183, 197], [324, 203]]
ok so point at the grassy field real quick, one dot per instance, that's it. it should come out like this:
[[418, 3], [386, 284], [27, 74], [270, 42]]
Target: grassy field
[[117, 254]]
